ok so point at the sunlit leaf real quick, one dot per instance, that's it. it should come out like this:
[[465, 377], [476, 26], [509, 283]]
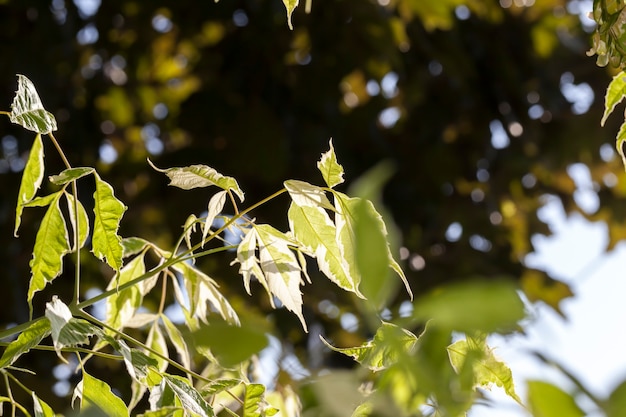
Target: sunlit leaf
[[195, 176], [390, 343], [290, 5], [158, 344], [43, 201], [314, 229], [51, 245], [71, 174], [108, 210], [202, 289], [189, 227], [31, 179], [66, 330], [139, 365], [28, 339], [27, 109], [487, 369], [230, 344], [220, 385], [216, 205], [249, 263], [538, 286], [307, 195], [98, 394], [281, 268], [41, 408], [83, 220], [547, 400], [331, 170], [620, 143], [253, 400], [133, 245], [190, 399], [615, 93]]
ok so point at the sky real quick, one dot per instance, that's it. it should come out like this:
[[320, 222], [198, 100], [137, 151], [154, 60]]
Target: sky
[[589, 342]]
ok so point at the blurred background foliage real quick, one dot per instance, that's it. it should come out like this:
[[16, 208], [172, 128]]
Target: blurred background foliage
[[484, 107]]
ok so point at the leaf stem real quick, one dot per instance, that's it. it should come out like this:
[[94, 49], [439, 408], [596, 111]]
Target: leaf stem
[[76, 222]]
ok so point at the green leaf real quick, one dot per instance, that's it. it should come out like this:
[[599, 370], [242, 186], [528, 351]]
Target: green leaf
[[51, 245], [196, 176], [122, 305], [202, 289], [97, 393], [40, 407], [253, 400], [315, 231], [547, 400], [71, 174], [66, 330], [615, 93], [290, 5], [28, 339], [190, 399], [616, 404], [230, 344], [307, 195], [31, 179], [43, 201], [108, 210], [83, 220], [281, 268], [219, 386], [331, 170], [139, 365], [27, 109], [487, 369], [390, 343], [158, 344], [133, 245], [472, 306]]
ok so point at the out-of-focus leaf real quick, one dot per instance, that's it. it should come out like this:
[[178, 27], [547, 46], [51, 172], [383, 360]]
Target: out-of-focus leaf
[[27, 109], [253, 400], [98, 394], [487, 369], [331, 170], [108, 210], [547, 400], [472, 306], [290, 5], [620, 143], [389, 344], [230, 344], [195, 176], [538, 286], [220, 385], [31, 179], [71, 174], [616, 403], [28, 339], [51, 245]]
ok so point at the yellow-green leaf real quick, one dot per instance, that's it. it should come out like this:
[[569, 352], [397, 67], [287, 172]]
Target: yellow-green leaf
[[27, 109], [108, 210], [70, 174], [290, 5], [28, 339], [547, 400], [82, 221], [97, 393], [331, 170], [122, 305], [253, 400], [41, 408], [615, 93], [51, 245], [31, 179]]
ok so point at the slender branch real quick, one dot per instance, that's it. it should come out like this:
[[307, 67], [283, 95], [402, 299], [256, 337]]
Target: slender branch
[[5, 113], [232, 200], [76, 222]]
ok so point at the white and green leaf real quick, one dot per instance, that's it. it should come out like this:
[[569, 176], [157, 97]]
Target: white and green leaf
[[27, 109], [66, 330], [51, 245], [177, 340], [189, 397], [249, 263], [307, 195], [31, 179], [71, 174], [331, 170], [156, 341], [41, 408], [108, 210], [281, 268], [215, 207], [122, 305], [198, 176], [290, 5]]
